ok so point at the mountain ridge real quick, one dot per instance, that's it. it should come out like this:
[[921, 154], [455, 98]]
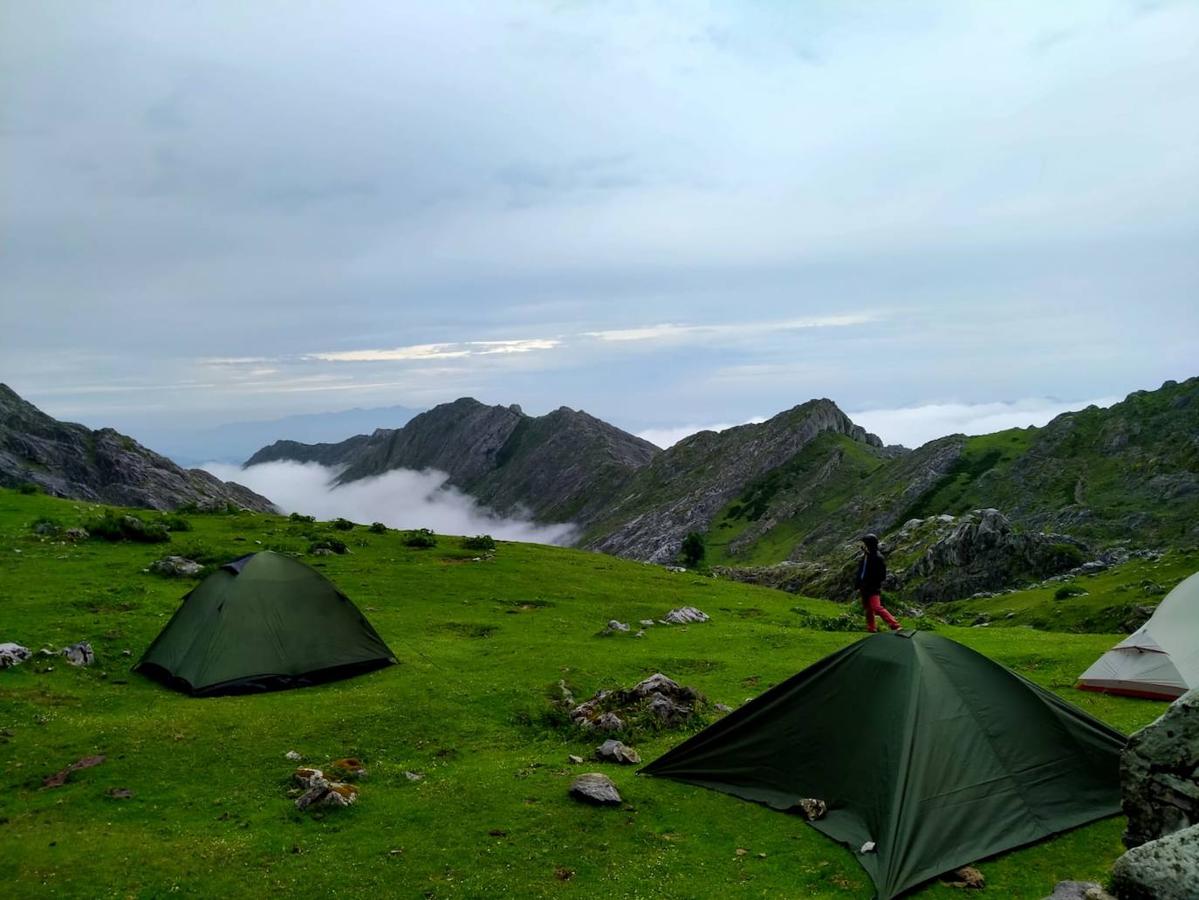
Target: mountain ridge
[[66, 459]]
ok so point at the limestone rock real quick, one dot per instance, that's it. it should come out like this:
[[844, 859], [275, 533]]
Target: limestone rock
[[176, 567], [609, 721], [319, 790], [615, 751], [80, 654], [614, 627], [1079, 890], [597, 788], [668, 711], [76, 534], [292, 755], [685, 615], [1163, 869], [1159, 773], [656, 684], [966, 877], [811, 808], [13, 655]]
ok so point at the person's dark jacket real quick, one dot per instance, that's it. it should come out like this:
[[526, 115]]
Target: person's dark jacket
[[872, 572]]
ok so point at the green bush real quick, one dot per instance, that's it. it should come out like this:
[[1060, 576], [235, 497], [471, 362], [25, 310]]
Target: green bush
[[173, 522], [693, 550], [46, 527], [343, 524], [28, 487], [377, 528], [1066, 591], [296, 517], [114, 527], [1067, 555], [478, 542], [420, 538], [328, 544]]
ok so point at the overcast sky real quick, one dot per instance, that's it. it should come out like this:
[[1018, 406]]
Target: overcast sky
[[668, 214]]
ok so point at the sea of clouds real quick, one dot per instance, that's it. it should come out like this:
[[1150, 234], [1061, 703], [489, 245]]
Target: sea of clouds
[[400, 498]]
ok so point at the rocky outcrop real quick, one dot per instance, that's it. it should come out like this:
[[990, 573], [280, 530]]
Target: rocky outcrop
[[930, 560], [1164, 869], [983, 552], [13, 654], [1159, 773], [69, 460], [339, 454]]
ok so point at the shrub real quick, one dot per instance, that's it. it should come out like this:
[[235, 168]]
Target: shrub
[[328, 543], [296, 517], [479, 542], [843, 622], [46, 527], [113, 527], [420, 538], [377, 528], [693, 550], [173, 522], [28, 487], [1067, 555], [1066, 591], [343, 524]]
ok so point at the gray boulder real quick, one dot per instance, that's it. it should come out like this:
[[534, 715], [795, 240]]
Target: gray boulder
[[1164, 869], [609, 721], [596, 788], [614, 627], [80, 654], [685, 615], [1159, 773], [76, 534], [13, 655], [617, 752], [656, 684], [1079, 890], [176, 567]]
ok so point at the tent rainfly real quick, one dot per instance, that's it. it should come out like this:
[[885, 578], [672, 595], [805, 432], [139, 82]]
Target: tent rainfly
[[928, 756], [260, 623], [1160, 660]]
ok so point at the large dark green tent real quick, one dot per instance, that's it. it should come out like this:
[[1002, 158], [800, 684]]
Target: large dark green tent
[[260, 623], [930, 751]]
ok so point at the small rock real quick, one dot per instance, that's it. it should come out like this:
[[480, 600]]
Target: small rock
[[685, 615], [564, 874], [965, 877], [414, 776], [80, 654], [119, 793], [307, 776], [741, 851], [614, 627], [656, 683], [575, 759], [722, 708], [647, 622], [597, 788], [609, 721], [1078, 890], [615, 751], [176, 567], [292, 755], [13, 655], [867, 847], [761, 856], [322, 551], [498, 832], [126, 653], [76, 534], [811, 808]]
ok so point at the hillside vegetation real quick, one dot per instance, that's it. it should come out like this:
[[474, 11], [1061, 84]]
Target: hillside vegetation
[[483, 641]]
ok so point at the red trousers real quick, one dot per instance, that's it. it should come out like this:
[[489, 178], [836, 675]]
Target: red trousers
[[872, 605]]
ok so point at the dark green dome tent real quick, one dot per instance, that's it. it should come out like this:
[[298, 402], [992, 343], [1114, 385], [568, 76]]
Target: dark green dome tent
[[931, 752], [260, 623]]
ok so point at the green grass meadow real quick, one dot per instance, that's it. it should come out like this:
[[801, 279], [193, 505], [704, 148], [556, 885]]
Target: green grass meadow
[[482, 646]]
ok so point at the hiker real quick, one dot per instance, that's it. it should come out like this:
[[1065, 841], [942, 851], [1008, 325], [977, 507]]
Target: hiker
[[872, 572]]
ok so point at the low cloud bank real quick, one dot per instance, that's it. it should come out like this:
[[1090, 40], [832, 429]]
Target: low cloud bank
[[916, 425], [400, 499]]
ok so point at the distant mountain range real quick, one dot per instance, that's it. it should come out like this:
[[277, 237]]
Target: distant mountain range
[[69, 460], [801, 486], [780, 502], [234, 441]]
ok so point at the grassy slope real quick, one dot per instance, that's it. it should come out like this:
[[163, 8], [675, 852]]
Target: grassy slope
[[210, 816], [825, 489], [1110, 597]]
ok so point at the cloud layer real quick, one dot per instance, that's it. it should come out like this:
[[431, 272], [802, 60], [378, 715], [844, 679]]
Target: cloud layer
[[399, 499]]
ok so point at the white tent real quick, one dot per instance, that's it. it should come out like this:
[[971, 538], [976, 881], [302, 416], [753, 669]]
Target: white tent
[[1160, 659]]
